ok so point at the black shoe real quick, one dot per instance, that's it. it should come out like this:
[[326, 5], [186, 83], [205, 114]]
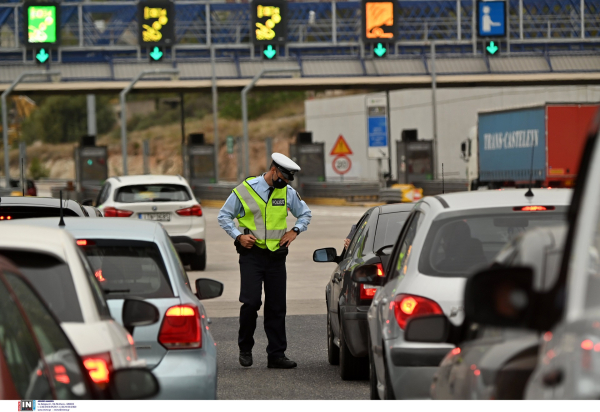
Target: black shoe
[[246, 359], [281, 363]]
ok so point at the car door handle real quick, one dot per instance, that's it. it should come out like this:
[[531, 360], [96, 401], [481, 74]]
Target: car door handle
[[553, 378], [336, 278]]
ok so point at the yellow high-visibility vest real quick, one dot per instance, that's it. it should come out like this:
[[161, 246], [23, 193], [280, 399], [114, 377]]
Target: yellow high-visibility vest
[[265, 220]]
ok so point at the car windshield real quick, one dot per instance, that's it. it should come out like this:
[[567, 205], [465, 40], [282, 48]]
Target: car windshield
[[128, 268], [388, 228], [26, 212], [152, 193], [457, 246], [52, 279]]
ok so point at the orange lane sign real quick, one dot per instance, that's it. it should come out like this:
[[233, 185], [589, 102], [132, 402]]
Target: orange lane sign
[[341, 148]]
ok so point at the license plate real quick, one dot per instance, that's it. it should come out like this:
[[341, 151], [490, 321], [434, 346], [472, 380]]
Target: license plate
[[157, 217]]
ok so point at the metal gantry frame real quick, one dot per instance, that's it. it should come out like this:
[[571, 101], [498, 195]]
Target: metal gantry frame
[[55, 74]]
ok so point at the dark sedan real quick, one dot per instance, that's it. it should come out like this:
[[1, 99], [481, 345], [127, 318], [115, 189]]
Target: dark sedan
[[28, 207], [348, 301]]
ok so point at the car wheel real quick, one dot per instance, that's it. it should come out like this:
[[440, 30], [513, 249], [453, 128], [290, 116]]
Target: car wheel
[[389, 389], [351, 368], [198, 262], [333, 352], [374, 394]]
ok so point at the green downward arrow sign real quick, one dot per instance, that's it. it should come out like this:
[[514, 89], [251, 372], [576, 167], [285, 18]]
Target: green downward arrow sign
[[156, 54], [42, 56], [270, 52], [380, 50], [492, 48]]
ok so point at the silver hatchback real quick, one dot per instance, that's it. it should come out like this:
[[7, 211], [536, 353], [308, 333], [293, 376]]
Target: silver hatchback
[[136, 259]]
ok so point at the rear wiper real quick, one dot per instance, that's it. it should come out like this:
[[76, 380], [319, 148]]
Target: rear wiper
[[107, 291], [161, 199]]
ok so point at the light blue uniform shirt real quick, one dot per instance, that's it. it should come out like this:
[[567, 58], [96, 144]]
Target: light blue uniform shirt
[[233, 207]]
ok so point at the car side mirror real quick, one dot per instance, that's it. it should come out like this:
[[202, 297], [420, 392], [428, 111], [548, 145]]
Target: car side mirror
[[138, 312], [132, 383], [430, 329], [368, 275], [88, 202], [328, 254], [500, 296], [208, 289]]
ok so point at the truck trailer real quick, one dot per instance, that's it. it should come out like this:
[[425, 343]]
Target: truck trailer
[[538, 145]]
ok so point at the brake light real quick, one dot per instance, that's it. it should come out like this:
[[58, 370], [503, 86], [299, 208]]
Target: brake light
[[408, 306], [99, 276], [5, 217], [99, 367], [114, 212], [533, 208], [180, 328], [380, 272], [60, 374], [195, 210], [367, 292]]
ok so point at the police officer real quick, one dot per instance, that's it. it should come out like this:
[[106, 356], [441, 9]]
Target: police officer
[[260, 204]]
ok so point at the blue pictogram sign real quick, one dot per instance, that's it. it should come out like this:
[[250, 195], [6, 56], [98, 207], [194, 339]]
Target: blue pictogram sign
[[491, 18]]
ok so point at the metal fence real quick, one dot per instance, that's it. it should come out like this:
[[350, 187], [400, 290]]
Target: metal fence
[[101, 24]]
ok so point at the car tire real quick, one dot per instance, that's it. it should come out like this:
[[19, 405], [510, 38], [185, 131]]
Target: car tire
[[388, 392], [351, 368], [374, 394], [333, 352], [198, 262]]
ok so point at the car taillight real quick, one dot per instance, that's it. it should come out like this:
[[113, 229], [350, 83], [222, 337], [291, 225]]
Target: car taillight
[[32, 191], [367, 292], [533, 208], [180, 328], [195, 210], [60, 374], [380, 272], [113, 212], [99, 367], [408, 306]]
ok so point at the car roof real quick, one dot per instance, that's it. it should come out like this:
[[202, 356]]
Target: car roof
[[396, 207], [147, 179], [105, 228], [498, 198], [44, 239], [39, 201]]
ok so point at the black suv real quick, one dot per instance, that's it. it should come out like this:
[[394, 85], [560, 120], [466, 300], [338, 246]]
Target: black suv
[[348, 301]]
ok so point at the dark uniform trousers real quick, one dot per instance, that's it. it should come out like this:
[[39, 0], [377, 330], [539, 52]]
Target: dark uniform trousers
[[257, 267]]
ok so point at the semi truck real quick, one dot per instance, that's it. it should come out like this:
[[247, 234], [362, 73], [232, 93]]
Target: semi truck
[[535, 145]]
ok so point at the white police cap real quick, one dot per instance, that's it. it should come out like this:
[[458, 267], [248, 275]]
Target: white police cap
[[285, 165]]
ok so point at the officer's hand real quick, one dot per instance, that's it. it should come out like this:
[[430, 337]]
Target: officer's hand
[[288, 238], [247, 241], [346, 243]]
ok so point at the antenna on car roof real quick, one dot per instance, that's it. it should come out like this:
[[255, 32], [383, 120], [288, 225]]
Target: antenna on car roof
[[529, 193], [443, 191], [62, 221]]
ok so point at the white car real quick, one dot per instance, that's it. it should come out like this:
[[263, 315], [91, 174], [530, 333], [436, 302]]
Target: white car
[[165, 199], [444, 240], [53, 263]]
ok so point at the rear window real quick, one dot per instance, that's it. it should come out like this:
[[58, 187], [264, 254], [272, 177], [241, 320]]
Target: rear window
[[128, 268], [26, 212], [152, 193], [52, 279], [388, 228], [458, 246]]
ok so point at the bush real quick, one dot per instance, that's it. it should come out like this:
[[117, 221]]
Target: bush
[[62, 119], [259, 103], [37, 169]]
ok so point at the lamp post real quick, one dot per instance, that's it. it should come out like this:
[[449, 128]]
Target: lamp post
[[245, 91], [55, 75], [123, 96]]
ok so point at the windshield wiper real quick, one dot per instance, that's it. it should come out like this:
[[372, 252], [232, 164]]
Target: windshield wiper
[[107, 291]]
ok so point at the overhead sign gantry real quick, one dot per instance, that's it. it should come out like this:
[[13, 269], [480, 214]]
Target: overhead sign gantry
[[42, 29], [269, 25], [156, 27]]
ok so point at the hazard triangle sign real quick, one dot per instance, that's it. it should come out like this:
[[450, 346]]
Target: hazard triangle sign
[[340, 147]]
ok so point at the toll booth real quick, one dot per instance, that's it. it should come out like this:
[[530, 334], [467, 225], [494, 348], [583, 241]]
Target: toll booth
[[91, 163], [201, 160], [415, 160], [311, 159]]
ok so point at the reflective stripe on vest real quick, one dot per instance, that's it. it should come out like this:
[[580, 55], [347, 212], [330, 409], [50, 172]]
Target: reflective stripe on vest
[[268, 231]]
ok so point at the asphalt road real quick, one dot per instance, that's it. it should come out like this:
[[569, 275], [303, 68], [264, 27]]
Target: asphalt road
[[306, 323]]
